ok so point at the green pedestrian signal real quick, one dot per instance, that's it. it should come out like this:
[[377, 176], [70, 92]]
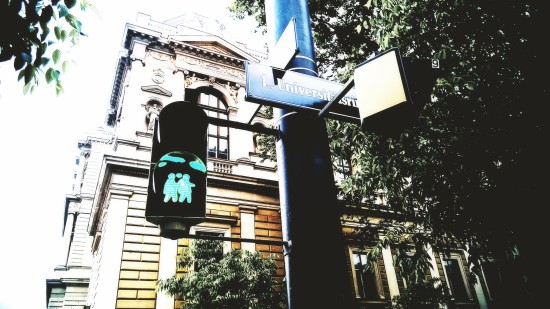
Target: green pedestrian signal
[[176, 197]]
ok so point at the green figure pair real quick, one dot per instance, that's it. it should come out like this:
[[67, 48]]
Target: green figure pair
[[178, 188]]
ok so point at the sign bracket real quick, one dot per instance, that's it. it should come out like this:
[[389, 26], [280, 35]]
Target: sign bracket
[[243, 126], [347, 87]]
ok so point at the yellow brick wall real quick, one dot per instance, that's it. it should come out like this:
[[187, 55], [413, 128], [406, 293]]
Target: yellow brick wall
[[140, 260]]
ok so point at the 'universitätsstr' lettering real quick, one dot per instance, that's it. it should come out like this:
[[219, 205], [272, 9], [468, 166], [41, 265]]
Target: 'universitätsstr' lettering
[[320, 94]]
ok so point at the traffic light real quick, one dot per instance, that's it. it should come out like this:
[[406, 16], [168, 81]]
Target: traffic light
[[176, 197]]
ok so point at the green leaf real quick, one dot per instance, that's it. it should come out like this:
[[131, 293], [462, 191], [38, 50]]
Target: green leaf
[[74, 22], [47, 13], [58, 88], [44, 61], [26, 88], [29, 73], [56, 55], [65, 66], [70, 3], [57, 32], [18, 62], [48, 76], [62, 10]]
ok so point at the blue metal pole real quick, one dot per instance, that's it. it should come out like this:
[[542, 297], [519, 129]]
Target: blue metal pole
[[316, 266]]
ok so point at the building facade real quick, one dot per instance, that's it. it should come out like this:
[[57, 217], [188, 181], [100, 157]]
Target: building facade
[[114, 256]]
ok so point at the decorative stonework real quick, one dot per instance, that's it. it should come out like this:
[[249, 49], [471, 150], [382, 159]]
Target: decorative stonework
[[156, 89], [190, 79], [183, 61], [153, 110], [160, 56], [233, 90], [158, 76]]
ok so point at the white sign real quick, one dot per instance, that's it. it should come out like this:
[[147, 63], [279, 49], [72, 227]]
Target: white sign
[[380, 84], [286, 47]]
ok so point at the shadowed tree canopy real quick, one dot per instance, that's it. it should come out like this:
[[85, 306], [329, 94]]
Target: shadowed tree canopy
[[33, 35], [470, 171]]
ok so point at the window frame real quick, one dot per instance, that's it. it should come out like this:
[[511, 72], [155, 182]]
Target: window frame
[[457, 257], [492, 289], [224, 231], [215, 132], [377, 276]]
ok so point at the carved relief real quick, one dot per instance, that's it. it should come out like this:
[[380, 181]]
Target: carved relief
[[159, 56], [158, 76], [233, 90], [183, 61], [190, 79], [189, 60]]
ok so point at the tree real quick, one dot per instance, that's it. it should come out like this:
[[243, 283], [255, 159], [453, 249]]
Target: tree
[[238, 279], [35, 27], [469, 173]]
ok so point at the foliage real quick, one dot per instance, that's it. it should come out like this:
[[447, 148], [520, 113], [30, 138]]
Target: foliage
[[469, 172], [266, 147], [37, 27], [239, 279], [266, 143], [426, 294]]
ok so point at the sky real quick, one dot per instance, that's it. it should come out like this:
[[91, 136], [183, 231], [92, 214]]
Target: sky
[[39, 134]]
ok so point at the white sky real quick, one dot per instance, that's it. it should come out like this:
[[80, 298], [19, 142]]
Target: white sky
[[38, 138]]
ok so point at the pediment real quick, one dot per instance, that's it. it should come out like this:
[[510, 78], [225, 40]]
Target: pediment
[[156, 89], [218, 45]]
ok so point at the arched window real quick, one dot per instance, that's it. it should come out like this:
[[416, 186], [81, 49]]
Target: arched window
[[218, 136]]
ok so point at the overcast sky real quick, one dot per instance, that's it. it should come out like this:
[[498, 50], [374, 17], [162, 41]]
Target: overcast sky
[[38, 138]]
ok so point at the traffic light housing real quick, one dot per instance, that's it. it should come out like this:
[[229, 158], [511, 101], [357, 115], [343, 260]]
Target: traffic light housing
[[176, 197]]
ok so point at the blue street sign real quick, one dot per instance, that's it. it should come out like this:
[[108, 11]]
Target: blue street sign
[[297, 91]]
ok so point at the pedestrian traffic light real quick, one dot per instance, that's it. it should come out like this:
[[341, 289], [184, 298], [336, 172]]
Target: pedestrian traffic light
[[176, 196]]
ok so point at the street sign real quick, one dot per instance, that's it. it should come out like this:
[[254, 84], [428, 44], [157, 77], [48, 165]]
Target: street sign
[[297, 91], [286, 47]]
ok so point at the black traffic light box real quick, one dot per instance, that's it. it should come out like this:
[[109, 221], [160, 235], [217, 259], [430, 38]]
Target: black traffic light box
[[176, 197]]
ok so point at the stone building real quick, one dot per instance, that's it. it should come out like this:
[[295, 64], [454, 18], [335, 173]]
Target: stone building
[[114, 256]]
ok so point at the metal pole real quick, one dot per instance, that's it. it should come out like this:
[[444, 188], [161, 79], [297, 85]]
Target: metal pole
[[317, 272]]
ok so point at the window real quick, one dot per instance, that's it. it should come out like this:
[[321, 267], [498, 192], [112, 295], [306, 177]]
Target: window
[[456, 280], [218, 254], [368, 283], [493, 280], [222, 230], [212, 232], [218, 136], [342, 169]]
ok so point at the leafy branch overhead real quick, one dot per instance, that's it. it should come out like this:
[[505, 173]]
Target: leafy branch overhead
[[469, 171], [39, 33]]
